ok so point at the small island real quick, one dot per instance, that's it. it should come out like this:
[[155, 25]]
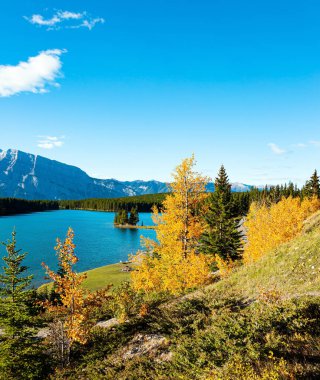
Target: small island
[[122, 219]]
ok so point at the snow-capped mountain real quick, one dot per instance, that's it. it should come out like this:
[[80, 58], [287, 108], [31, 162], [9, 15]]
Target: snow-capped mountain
[[24, 175]]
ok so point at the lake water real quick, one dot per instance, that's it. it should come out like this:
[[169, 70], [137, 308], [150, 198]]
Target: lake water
[[97, 242]]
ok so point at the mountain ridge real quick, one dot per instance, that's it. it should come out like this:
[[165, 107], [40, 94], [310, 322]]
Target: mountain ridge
[[25, 175]]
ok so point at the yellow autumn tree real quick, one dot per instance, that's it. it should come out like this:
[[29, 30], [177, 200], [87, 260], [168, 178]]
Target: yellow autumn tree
[[269, 226], [69, 310], [172, 263]]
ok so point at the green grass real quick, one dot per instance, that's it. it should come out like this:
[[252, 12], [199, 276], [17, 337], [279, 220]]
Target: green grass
[[100, 278]]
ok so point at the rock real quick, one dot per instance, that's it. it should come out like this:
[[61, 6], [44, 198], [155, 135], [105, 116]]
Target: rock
[[165, 356], [126, 269], [108, 324], [151, 344], [43, 333]]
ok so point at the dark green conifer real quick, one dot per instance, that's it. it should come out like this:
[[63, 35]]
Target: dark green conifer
[[134, 216], [222, 236], [21, 355], [121, 217], [312, 187]]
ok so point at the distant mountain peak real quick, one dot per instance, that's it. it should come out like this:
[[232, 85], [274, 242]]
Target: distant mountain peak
[[24, 175]]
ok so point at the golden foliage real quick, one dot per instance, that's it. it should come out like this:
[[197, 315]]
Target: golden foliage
[[172, 263], [268, 227], [68, 286], [240, 369], [224, 266]]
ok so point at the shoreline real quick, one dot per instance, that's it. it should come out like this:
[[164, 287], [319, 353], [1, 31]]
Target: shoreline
[[130, 227]]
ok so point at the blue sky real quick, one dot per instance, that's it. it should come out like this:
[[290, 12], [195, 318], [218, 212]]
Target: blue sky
[[127, 89]]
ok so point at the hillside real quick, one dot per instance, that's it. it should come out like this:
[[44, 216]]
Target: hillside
[[260, 323], [28, 176], [292, 270]]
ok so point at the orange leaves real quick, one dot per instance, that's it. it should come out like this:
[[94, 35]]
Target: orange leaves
[[172, 263], [68, 286], [267, 227]]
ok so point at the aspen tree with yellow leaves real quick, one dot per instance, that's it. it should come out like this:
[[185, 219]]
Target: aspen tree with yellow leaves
[[268, 227], [173, 263], [69, 326]]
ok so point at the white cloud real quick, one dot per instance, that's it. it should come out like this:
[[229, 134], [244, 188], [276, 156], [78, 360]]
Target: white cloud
[[300, 145], [50, 142], [90, 24], [39, 20], [34, 75], [66, 15], [65, 19], [315, 143], [276, 149]]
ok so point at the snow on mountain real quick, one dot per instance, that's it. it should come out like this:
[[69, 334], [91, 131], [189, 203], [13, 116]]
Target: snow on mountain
[[28, 176]]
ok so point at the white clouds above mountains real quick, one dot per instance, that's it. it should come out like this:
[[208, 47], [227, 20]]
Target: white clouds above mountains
[[50, 142], [35, 75], [65, 19]]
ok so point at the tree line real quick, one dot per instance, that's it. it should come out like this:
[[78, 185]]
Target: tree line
[[11, 206], [143, 203], [241, 200]]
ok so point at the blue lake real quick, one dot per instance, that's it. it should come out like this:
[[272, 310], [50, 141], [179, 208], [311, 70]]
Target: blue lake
[[97, 241]]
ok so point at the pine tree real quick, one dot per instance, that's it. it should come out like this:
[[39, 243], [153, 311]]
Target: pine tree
[[21, 356], [124, 217], [222, 236], [117, 218], [312, 187], [134, 216], [121, 217]]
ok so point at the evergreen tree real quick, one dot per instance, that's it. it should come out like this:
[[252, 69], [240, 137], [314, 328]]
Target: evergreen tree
[[222, 236], [21, 356], [134, 216], [312, 187], [116, 218], [121, 217]]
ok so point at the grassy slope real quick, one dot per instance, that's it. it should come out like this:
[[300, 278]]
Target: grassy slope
[[101, 277], [215, 333], [293, 269]]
